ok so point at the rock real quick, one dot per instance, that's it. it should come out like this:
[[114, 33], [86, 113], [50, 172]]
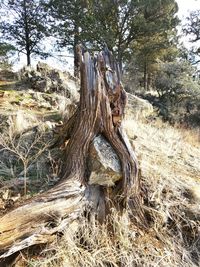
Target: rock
[[41, 84], [26, 73], [43, 68], [65, 107], [45, 105], [45, 127], [7, 75], [21, 121], [137, 107], [49, 80], [104, 165]]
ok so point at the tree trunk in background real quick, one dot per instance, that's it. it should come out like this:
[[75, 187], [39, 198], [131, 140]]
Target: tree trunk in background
[[145, 76], [28, 57], [76, 56], [27, 32], [149, 81], [101, 109]]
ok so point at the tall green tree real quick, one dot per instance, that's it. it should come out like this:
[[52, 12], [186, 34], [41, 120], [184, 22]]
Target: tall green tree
[[24, 25], [95, 23], [122, 24], [158, 41], [5, 50], [66, 19], [116, 23], [177, 90], [192, 28]]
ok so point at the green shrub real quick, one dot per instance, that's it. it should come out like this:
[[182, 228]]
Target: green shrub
[[178, 92]]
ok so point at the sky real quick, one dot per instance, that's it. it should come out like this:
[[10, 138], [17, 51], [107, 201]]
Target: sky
[[185, 6]]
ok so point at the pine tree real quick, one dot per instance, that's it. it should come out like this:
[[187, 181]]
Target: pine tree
[[95, 23], [25, 27], [125, 26], [157, 40], [5, 50], [192, 28], [115, 23], [66, 19]]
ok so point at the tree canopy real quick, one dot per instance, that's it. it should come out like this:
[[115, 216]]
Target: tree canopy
[[25, 27], [5, 49], [143, 32], [192, 28]]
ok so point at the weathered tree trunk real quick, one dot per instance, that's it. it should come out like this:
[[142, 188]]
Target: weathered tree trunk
[[100, 111]]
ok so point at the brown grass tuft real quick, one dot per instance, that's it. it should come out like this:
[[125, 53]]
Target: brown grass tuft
[[170, 164]]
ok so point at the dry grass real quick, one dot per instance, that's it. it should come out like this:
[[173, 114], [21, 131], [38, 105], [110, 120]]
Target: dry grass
[[170, 165], [191, 136], [2, 83], [22, 149], [126, 246]]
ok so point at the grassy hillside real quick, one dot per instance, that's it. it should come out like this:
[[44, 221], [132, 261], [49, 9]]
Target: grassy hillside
[[170, 170], [170, 166]]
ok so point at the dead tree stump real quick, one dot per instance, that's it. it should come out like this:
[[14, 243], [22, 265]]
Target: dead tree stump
[[100, 111]]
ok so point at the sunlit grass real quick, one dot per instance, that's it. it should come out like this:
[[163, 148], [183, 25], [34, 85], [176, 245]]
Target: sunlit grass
[[170, 167]]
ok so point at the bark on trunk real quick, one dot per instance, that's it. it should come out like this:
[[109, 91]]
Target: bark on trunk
[[101, 109], [28, 57], [27, 33], [145, 76]]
